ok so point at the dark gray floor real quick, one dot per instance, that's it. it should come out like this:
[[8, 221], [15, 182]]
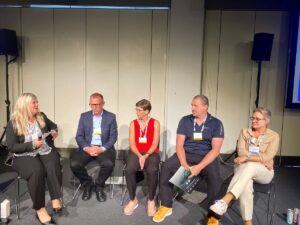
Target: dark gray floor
[[185, 211]]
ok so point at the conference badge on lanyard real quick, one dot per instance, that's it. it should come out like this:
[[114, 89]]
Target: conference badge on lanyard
[[198, 136], [97, 131], [254, 150], [142, 140]]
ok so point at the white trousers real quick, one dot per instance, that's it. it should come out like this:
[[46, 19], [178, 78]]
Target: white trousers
[[241, 185]]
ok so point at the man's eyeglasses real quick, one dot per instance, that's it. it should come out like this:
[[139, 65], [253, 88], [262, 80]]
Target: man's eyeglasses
[[94, 105], [256, 118]]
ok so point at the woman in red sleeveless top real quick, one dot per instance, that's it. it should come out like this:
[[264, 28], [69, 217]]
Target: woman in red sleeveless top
[[143, 155]]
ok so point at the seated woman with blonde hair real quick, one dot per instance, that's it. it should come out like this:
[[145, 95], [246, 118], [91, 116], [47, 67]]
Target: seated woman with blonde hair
[[30, 136], [257, 146], [143, 155]]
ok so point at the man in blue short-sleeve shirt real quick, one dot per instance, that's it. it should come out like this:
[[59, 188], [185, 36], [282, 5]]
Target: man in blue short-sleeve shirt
[[198, 144]]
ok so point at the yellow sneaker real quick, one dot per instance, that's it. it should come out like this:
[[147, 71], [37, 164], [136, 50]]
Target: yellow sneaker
[[161, 214], [212, 221]]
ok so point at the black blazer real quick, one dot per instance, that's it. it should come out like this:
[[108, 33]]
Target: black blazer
[[15, 142]]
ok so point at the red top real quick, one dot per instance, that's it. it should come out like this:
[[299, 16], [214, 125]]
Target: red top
[[144, 147]]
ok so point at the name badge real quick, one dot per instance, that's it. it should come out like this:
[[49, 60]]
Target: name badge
[[254, 150], [198, 136], [142, 140], [97, 131]]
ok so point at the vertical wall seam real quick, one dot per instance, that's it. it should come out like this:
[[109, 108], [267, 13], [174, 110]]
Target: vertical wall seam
[[151, 54], [165, 132], [54, 74], [85, 59], [219, 51], [118, 76]]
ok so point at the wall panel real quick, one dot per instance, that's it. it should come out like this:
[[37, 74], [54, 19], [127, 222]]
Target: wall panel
[[211, 58], [235, 71], [158, 69], [185, 63], [102, 56], [134, 66], [273, 76], [9, 19], [38, 56], [69, 72]]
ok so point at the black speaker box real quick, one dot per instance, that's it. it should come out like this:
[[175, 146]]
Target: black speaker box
[[8, 42], [262, 46]]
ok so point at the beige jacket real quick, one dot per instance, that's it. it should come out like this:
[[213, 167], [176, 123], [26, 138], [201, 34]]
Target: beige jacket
[[267, 149]]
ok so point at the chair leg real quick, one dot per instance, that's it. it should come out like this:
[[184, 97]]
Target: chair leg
[[75, 195], [18, 197], [123, 197], [111, 185], [123, 188]]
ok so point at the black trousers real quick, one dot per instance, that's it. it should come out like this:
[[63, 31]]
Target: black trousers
[[151, 168], [34, 170], [211, 174], [80, 159]]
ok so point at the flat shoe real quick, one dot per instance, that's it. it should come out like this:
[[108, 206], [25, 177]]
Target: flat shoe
[[50, 222], [129, 208]]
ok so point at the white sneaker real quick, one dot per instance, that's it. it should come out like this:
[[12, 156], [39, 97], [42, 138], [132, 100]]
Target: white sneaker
[[220, 207]]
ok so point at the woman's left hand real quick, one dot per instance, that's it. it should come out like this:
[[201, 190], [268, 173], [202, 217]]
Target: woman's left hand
[[54, 134], [142, 161]]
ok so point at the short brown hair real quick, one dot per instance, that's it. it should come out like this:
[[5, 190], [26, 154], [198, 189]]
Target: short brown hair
[[144, 104], [203, 99], [97, 95]]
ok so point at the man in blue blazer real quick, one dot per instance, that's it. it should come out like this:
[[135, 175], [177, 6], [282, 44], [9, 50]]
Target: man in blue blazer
[[96, 135]]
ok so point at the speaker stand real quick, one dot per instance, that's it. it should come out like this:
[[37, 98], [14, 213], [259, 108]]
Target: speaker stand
[[258, 83], [3, 148]]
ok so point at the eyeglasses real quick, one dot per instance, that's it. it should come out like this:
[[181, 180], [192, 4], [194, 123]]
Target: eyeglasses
[[94, 105], [139, 110], [256, 118]]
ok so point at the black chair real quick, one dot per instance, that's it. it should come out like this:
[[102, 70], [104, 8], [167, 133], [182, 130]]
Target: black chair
[[139, 178], [269, 190], [93, 169], [265, 189]]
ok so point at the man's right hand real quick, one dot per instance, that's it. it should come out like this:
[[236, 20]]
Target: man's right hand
[[92, 150]]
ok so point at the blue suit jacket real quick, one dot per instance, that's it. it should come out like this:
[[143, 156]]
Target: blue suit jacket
[[109, 130]]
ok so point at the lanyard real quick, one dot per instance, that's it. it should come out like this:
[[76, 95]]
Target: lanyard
[[256, 141], [97, 118], [202, 129], [146, 128]]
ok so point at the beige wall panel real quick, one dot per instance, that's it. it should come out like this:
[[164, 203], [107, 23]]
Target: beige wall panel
[[9, 19], [290, 133], [69, 60], [158, 69], [235, 74], [185, 63], [273, 75], [134, 66], [102, 56], [38, 53], [211, 58]]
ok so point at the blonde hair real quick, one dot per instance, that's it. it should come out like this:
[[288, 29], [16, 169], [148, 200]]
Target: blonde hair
[[20, 116]]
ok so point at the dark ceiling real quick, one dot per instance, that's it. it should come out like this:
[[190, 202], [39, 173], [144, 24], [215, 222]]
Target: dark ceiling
[[281, 5]]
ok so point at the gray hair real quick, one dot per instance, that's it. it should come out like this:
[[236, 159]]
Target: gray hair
[[203, 99], [265, 112]]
